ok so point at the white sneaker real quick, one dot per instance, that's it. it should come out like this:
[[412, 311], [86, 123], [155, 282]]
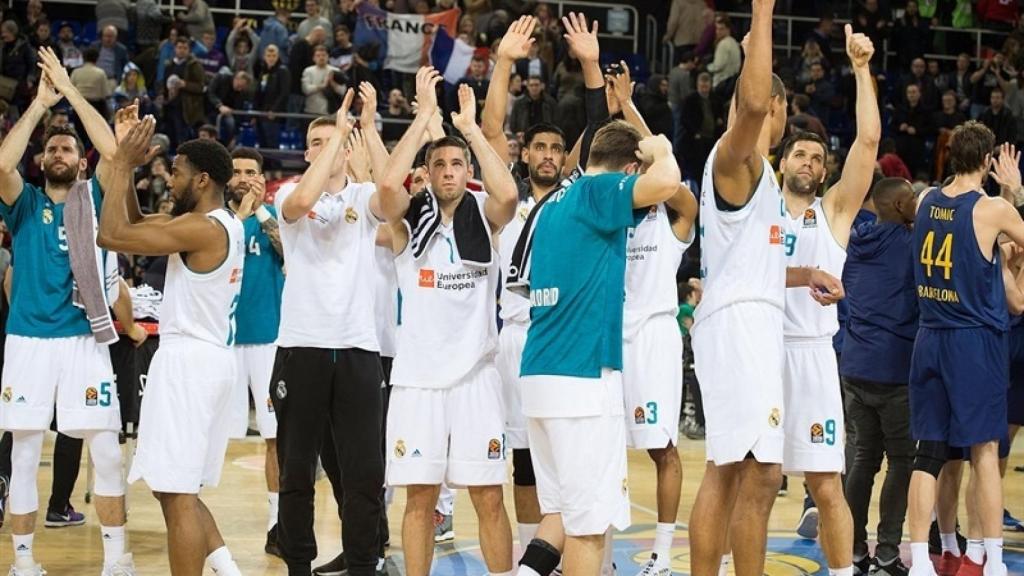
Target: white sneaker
[[26, 567], [656, 567], [928, 569], [123, 567]]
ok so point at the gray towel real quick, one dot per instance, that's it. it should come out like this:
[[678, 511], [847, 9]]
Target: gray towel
[[92, 280]]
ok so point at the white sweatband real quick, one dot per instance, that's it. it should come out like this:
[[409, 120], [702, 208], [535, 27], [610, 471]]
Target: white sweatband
[[262, 214]]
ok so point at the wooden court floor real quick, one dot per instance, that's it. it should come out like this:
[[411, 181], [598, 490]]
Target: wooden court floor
[[239, 505]]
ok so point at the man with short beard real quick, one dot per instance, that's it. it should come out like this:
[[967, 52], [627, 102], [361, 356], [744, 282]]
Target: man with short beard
[[820, 229], [50, 350]]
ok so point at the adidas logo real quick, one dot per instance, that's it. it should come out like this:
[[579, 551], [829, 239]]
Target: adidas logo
[[21, 548], [106, 536]]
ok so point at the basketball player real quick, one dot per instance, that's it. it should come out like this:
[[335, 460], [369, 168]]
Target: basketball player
[[743, 265], [813, 424], [544, 154], [50, 350], [959, 370], [445, 421], [257, 316], [183, 434]]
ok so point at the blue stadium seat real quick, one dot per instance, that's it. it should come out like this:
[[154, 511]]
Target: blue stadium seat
[[88, 34]]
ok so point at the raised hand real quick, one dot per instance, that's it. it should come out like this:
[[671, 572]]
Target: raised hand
[[249, 202], [125, 119], [51, 66], [582, 42], [518, 39], [368, 117], [859, 48], [427, 79], [47, 94], [359, 156], [465, 118], [654, 148], [622, 85], [341, 122], [1006, 168], [134, 150]]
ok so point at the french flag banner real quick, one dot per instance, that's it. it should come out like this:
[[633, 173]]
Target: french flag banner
[[409, 41]]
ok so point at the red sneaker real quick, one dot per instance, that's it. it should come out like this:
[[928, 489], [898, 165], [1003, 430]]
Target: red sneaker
[[949, 564], [969, 568]]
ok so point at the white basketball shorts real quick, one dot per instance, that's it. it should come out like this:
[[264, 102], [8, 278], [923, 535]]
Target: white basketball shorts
[[814, 409], [452, 435], [511, 341], [652, 384], [254, 364], [73, 372], [739, 358], [183, 428]]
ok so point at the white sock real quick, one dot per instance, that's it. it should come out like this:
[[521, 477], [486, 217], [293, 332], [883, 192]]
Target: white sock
[[976, 551], [723, 568], [272, 498], [919, 554], [526, 534], [663, 534], [994, 555], [525, 570], [22, 545], [509, 573], [949, 544], [848, 571], [222, 563], [113, 544]]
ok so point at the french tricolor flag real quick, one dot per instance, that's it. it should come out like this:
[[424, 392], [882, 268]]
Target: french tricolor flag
[[412, 40]]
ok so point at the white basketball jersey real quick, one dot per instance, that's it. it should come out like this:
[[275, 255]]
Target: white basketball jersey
[[386, 302], [448, 322], [514, 308], [743, 251], [814, 247], [201, 305], [653, 254]]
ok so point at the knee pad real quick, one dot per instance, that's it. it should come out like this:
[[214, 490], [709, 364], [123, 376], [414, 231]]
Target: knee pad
[[540, 556], [105, 452], [931, 457], [522, 468], [25, 454]]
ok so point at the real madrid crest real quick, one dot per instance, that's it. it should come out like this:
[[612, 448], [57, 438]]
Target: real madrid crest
[[351, 216], [775, 418], [47, 216], [399, 448], [282, 390]]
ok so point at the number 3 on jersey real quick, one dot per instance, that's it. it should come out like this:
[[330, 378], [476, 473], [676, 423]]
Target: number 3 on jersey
[[943, 259]]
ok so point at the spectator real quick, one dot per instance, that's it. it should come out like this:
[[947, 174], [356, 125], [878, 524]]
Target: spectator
[[207, 132], [42, 36], [275, 31], [820, 90], [801, 120], [67, 47], [112, 13], [475, 79], [34, 13], [938, 79], [398, 109], [314, 19], [948, 118], [870, 20], [686, 22], [151, 182], [912, 36], [317, 81], [822, 34], [726, 63], [226, 94], [19, 62], [680, 82], [166, 51], [91, 81], [699, 127], [1001, 13], [240, 47], [346, 14], [891, 165], [919, 77], [197, 18], [568, 78], [913, 124], [149, 21], [984, 80], [183, 92], [113, 54], [809, 56], [534, 107], [960, 82], [532, 65], [467, 28], [999, 119], [342, 53], [211, 57], [653, 106], [133, 87], [272, 95], [301, 58]]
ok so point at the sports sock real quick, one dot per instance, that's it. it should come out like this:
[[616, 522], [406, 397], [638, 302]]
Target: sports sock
[[723, 568], [22, 545], [113, 544], [526, 534], [222, 563], [994, 555], [272, 499], [976, 551], [919, 554], [663, 533], [949, 544], [525, 570], [848, 571]]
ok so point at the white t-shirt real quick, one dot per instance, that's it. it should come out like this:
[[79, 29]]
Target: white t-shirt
[[329, 291], [653, 254]]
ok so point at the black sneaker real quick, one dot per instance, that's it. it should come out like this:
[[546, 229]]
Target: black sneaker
[[862, 567], [63, 519], [271, 546], [335, 567], [4, 483], [894, 568], [784, 489], [934, 541]]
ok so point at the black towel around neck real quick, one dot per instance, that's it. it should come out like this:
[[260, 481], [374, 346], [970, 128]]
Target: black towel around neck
[[472, 236]]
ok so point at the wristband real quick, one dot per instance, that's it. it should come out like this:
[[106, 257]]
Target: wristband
[[262, 214]]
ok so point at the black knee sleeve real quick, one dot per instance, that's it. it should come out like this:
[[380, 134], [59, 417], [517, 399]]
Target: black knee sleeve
[[541, 557], [931, 457], [522, 468]]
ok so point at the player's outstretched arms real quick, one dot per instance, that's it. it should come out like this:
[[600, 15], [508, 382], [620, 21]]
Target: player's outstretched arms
[[14, 145], [515, 44]]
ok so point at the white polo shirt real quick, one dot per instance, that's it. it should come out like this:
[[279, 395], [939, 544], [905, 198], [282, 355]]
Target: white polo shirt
[[329, 290]]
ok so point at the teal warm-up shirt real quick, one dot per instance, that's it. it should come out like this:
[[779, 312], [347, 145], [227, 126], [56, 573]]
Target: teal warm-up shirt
[[259, 306], [577, 278], [41, 292]]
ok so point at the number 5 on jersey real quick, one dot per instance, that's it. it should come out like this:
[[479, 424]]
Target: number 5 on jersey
[[943, 259]]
